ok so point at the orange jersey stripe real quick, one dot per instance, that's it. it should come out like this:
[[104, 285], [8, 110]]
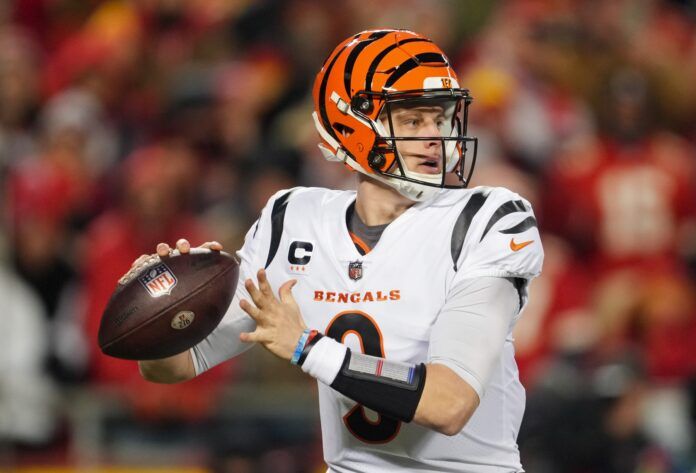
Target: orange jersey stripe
[[358, 241]]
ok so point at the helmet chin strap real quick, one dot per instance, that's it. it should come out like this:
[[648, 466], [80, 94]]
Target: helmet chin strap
[[415, 192]]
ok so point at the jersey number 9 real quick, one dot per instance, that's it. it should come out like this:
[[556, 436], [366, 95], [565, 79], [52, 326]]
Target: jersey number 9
[[360, 324]]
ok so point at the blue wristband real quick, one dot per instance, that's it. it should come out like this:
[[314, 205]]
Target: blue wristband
[[300, 346]]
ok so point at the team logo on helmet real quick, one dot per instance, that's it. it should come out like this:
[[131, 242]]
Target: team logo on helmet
[[158, 281], [355, 270]]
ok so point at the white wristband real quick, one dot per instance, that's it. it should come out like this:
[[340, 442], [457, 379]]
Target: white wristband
[[324, 360]]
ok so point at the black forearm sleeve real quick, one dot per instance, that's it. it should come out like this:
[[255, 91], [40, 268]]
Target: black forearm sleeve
[[392, 389]]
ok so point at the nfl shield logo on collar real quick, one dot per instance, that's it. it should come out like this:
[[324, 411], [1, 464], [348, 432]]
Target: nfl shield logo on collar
[[159, 280], [355, 270]]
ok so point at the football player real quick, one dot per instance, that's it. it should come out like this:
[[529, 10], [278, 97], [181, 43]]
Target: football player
[[399, 298]]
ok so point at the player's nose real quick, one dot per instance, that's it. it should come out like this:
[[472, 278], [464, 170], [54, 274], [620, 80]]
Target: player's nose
[[431, 129]]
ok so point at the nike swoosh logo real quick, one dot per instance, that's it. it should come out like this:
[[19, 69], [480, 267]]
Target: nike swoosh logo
[[518, 246]]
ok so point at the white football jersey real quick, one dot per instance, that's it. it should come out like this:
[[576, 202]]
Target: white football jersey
[[385, 304]]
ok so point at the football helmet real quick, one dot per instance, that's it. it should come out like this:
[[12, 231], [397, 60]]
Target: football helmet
[[363, 81]]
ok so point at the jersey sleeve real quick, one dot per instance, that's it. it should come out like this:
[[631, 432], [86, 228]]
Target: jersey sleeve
[[223, 343], [470, 331], [502, 240]]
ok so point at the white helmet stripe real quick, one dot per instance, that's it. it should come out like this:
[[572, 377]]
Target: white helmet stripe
[[324, 134]]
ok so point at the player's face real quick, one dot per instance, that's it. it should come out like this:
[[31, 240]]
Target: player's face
[[423, 156]]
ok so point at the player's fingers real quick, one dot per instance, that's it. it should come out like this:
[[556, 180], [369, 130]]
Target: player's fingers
[[163, 249], [250, 309], [264, 285], [285, 291], [249, 337], [183, 245], [255, 294], [259, 336], [212, 245]]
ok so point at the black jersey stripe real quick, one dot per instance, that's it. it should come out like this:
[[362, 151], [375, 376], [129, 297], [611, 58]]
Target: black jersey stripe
[[411, 64], [353, 56], [375, 62], [507, 208], [461, 226], [524, 225], [256, 227], [521, 286], [277, 222]]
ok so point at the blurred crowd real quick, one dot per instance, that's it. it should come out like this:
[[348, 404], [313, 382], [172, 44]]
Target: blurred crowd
[[128, 122]]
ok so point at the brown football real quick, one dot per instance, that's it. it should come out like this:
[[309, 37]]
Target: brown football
[[169, 306]]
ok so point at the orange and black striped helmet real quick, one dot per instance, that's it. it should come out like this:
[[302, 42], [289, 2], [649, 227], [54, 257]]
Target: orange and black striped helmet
[[363, 81]]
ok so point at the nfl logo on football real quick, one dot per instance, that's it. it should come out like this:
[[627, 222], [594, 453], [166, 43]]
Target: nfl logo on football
[[158, 281], [355, 270]]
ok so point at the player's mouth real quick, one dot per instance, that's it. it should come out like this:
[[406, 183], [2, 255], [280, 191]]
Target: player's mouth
[[429, 165]]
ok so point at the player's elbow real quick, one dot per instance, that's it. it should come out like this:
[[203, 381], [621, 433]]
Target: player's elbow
[[450, 430], [176, 369], [455, 417], [447, 403]]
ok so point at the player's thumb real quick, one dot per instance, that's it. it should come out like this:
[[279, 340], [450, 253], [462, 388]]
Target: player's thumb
[[285, 291]]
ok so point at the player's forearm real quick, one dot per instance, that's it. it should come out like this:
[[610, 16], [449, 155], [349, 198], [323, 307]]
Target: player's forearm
[[174, 369], [432, 396], [447, 402]]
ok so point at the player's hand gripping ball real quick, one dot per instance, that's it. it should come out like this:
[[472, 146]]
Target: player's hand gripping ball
[[166, 305]]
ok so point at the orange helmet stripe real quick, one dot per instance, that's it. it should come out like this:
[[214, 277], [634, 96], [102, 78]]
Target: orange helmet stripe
[[378, 59], [353, 56], [410, 64]]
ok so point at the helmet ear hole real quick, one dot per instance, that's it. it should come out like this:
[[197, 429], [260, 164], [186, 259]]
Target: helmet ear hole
[[344, 130]]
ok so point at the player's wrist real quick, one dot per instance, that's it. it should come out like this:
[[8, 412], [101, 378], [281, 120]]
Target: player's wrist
[[312, 339], [322, 358], [305, 337]]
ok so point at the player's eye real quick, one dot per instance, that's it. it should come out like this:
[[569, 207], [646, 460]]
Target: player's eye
[[411, 121]]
